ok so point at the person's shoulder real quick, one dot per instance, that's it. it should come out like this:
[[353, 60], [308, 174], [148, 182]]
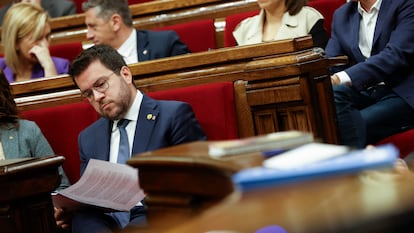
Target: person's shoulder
[[310, 12], [248, 22], [27, 125], [158, 34]]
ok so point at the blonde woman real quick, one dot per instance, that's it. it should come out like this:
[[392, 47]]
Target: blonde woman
[[25, 38], [282, 19]]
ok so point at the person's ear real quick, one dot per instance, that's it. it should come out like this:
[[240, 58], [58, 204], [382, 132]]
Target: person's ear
[[126, 74], [116, 22]]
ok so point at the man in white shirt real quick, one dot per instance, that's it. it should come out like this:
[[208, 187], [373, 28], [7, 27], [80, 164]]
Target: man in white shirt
[[109, 22], [373, 95]]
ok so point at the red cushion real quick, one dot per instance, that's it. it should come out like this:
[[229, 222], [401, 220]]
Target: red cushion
[[66, 50], [404, 141], [213, 105], [61, 126], [198, 35], [130, 2]]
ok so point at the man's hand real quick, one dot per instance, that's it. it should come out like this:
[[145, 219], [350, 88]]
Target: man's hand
[[63, 219], [335, 80]]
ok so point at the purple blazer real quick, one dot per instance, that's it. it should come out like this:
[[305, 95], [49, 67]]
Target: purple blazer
[[61, 64]]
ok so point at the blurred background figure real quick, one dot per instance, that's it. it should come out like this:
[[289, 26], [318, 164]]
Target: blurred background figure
[[55, 8], [109, 22], [21, 138], [282, 19], [25, 39]]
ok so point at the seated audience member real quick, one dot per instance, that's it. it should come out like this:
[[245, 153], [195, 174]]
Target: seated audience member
[[373, 95], [21, 138], [55, 8], [282, 19], [110, 22], [25, 38], [104, 78]]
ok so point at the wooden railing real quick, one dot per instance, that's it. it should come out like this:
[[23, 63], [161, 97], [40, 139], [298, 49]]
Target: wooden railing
[[157, 14], [287, 89]]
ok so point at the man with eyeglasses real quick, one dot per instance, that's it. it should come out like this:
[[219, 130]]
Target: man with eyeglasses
[[105, 80]]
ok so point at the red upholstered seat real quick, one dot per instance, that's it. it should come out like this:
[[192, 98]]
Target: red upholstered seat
[[213, 105], [197, 35], [404, 141], [66, 50], [327, 9], [61, 126]]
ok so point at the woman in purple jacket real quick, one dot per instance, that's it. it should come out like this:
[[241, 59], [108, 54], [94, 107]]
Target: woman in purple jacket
[[25, 38]]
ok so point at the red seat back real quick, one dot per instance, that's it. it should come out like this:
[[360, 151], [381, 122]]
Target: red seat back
[[66, 50], [327, 9], [213, 106], [198, 35], [61, 126]]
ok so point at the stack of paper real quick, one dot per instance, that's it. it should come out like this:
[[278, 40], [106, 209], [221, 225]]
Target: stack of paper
[[278, 140]]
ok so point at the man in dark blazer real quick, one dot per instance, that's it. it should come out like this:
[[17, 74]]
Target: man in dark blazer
[[110, 22], [55, 8], [105, 80], [374, 95]]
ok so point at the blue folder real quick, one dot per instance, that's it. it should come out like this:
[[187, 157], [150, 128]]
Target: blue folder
[[354, 161]]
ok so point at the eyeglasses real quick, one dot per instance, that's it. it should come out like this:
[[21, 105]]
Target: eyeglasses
[[100, 86]]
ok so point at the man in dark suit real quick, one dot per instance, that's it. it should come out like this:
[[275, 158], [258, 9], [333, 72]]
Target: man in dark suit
[[374, 95], [105, 80], [55, 8], [110, 22]]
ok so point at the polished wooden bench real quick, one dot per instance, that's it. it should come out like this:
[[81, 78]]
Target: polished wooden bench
[[287, 89]]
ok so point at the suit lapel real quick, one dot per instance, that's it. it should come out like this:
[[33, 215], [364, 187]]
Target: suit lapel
[[382, 18], [354, 42], [105, 136], [147, 118], [142, 45]]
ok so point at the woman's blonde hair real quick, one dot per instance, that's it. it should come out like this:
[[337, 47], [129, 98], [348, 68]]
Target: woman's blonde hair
[[21, 20]]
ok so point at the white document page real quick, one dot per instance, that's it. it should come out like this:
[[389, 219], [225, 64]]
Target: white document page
[[105, 185]]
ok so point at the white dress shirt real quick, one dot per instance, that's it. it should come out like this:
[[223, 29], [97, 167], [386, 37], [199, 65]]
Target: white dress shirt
[[129, 50], [366, 34]]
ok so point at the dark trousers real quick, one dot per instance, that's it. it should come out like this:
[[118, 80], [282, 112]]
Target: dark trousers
[[369, 116], [91, 221]]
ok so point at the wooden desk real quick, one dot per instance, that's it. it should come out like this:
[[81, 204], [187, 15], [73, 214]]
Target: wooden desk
[[25, 200], [367, 202]]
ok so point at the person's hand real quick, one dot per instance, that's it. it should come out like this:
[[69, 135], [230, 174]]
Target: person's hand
[[41, 52], [63, 218], [335, 80]]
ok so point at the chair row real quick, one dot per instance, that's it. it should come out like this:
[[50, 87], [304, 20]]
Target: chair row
[[204, 35], [213, 105]]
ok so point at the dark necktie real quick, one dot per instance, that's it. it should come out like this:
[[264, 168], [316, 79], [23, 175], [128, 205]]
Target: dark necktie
[[123, 152], [122, 218]]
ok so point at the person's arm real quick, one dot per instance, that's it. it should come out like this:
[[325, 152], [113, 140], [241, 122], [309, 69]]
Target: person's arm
[[319, 34], [394, 59], [177, 47], [41, 51], [185, 127]]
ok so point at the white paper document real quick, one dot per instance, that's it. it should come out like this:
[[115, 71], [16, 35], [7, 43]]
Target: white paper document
[[104, 185], [305, 155]]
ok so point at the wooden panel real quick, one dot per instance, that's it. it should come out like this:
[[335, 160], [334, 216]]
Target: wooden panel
[[291, 86]]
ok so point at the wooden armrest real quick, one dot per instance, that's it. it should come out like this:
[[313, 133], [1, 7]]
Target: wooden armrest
[[338, 61]]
